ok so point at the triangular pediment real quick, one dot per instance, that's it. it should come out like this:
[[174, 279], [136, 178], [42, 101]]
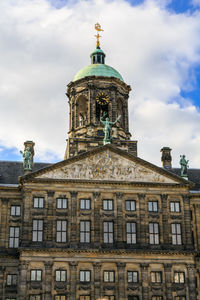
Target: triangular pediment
[[108, 164]]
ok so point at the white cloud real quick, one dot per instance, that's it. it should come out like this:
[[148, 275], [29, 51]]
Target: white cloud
[[196, 2], [154, 50]]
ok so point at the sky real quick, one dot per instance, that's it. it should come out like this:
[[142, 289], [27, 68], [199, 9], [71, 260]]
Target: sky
[[154, 44]]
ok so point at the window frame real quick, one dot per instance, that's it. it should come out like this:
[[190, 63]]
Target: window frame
[[85, 273], [129, 204], [179, 274], [84, 297], [14, 240], [13, 279], [109, 272], [157, 275], [157, 297], [15, 210], [152, 207], [109, 297], [59, 297], [132, 276], [33, 297], [85, 234], [175, 203], [83, 204], [132, 234], [154, 237], [108, 204], [61, 200], [38, 231], [109, 234], [176, 237], [60, 275], [62, 232], [38, 202], [37, 271]]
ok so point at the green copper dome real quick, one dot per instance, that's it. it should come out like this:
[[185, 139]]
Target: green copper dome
[[97, 67]]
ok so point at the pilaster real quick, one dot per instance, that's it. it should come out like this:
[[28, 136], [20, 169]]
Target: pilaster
[[73, 279], [97, 231], [73, 239], [121, 280], [48, 280], [145, 281]]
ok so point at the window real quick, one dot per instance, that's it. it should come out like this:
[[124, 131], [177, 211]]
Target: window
[[179, 277], [109, 276], [15, 210], [60, 297], [37, 231], [84, 298], [131, 233], [11, 279], [175, 207], [153, 233], [14, 237], [157, 298], [180, 298], [38, 202], [60, 275], [84, 231], [61, 203], [132, 276], [131, 297], [176, 234], [61, 231], [108, 232], [84, 203], [153, 206], [36, 275], [107, 204], [35, 297], [85, 276], [10, 298], [130, 205], [109, 297], [156, 277]]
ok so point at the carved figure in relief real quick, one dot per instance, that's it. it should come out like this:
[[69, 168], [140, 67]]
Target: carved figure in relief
[[108, 128]]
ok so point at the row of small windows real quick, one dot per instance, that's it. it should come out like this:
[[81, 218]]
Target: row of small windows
[[87, 297], [85, 276], [85, 233], [85, 204]]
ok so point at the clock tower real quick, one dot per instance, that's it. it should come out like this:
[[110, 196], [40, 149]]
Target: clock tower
[[97, 90]]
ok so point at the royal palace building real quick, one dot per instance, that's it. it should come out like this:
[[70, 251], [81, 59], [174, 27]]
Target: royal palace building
[[103, 223]]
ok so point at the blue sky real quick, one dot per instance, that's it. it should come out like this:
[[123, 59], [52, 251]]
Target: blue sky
[[43, 46]]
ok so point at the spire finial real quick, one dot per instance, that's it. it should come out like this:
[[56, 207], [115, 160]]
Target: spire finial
[[97, 27]]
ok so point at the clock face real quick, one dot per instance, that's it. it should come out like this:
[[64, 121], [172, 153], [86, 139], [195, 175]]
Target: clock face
[[102, 98]]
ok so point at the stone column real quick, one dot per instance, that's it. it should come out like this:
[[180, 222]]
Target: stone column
[[120, 223], [187, 219], [48, 280], [73, 279], [73, 239], [22, 287], [165, 217], [168, 281], [27, 218], [97, 225], [143, 226], [97, 280], [121, 281], [2, 281], [192, 281], [50, 219], [145, 281], [4, 236]]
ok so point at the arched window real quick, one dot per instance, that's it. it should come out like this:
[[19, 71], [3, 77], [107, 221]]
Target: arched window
[[81, 111], [120, 111]]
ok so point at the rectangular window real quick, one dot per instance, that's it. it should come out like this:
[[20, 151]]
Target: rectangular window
[[179, 277], [131, 233], [156, 277], [130, 205], [180, 298], [153, 233], [61, 231], [176, 234], [14, 237], [60, 297], [38, 202], [61, 203], [108, 232], [10, 298], [84, 231], [60, 275], [107, 204], [85, 204], [84, 297], [109, 297], [157, 298], [11, 279], [109, 276], [15, 210], [35, 297], [153, 206], [36, 275], [37, 231], [85, 276], [131, 297], [175, 207], [132, 276]]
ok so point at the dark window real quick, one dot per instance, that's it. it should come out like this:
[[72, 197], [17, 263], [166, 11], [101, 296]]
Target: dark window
[[131, 233], [35, 297], [153, 233], [107, 204], [37, 231], [61, 231], [175, 207], [36, 275], [15, 210], [60, 297], [14, 237], [108, 232], [176, 234], [157, 298], [156, 277], [153, 206], [109, 297], [98, 59], [61, 203], [11, 279], [84, 231], [60, 275], [84, 297], [132, 276], [131, 297], [109, 276], [85, 276], [179, 277], [38, 202], [85, 204], [130, 205]]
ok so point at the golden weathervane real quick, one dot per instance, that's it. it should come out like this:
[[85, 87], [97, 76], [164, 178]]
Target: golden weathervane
[[97, 27]]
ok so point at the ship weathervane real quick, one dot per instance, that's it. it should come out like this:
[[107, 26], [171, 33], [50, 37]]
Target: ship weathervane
[[98, 28]]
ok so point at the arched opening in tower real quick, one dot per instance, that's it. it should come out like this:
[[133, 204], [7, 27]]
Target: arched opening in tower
[[100, 110], [121, 111], [81, 111]]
